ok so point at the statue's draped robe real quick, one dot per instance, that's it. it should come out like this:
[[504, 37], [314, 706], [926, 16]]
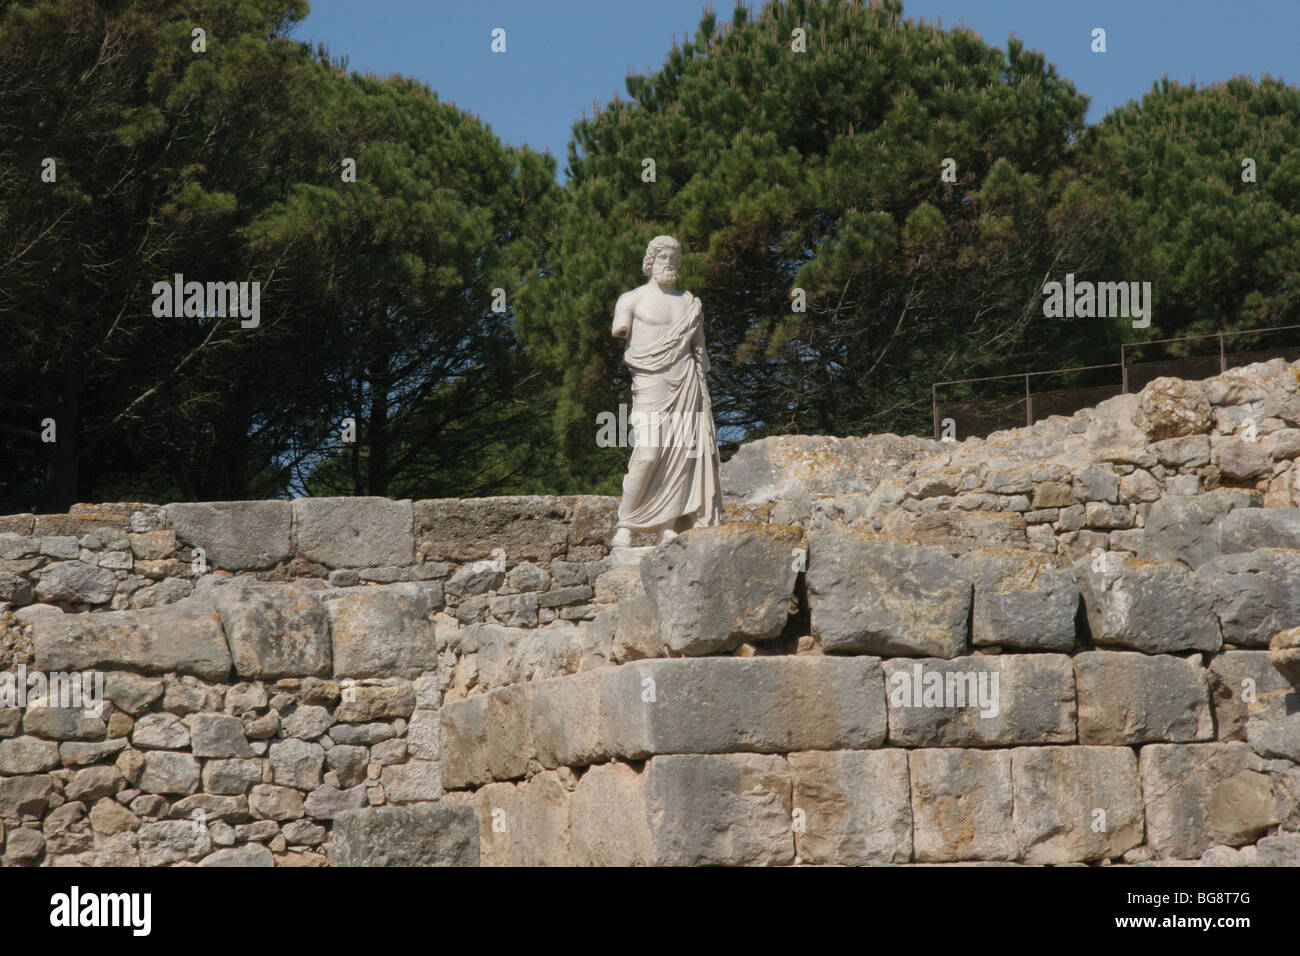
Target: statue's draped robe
[[677, 471]]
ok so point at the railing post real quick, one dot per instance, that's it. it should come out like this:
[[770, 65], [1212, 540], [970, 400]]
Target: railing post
[[1029, 404], [1123, 371], [934, 409], [1223, 360]]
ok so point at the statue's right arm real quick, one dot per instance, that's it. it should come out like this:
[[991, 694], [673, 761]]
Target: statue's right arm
[[623, 316]]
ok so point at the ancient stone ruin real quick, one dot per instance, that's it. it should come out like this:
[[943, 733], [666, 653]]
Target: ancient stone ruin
[[1077, 642]]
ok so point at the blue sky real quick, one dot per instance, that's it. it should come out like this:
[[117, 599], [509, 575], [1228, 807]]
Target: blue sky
[[564, 55]]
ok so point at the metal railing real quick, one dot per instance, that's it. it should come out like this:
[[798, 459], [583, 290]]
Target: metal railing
[[998, 411]]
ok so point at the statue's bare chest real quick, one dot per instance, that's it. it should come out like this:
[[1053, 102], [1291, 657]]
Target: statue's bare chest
[[661, 311]]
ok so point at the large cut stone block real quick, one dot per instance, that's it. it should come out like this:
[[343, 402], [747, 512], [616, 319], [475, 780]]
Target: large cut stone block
[[1022, 600], [1198, 795], [1150, 606], [421, 835], [508, 730], [609, 821], [384, 631], [856, 807], [512, 655], [184, 637], [711, 589], [720, 810], [961, 805], [1248, 528], [1256, 594], [236, 535], [1074, 804], [981, 700], [1273, 725], [1236, 679], [878, 596], [275, 631], [715, 705], [1131, 698], [565, 721], [1186, 527], [464, 743], [524, 528], [354, 532], [494, 807], [525, 824], [760, 704]]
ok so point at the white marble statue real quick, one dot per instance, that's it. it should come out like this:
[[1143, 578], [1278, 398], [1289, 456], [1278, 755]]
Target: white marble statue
[[672, 480]]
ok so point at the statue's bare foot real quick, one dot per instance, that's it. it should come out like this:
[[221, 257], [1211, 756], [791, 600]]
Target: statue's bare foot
[[666, 535], [622, 539]]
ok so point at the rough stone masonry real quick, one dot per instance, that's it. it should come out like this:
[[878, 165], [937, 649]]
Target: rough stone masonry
[[1074, 643]]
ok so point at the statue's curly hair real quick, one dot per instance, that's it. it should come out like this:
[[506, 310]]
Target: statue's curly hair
[[656, 244]]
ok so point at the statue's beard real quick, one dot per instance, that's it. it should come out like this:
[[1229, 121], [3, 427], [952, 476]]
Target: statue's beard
[[665, 274]]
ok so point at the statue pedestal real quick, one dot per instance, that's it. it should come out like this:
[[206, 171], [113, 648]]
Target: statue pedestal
[[624, 556]]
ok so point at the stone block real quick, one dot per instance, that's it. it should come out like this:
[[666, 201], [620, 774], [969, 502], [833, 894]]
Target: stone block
[[1246, 529], [983, 700], [772, 704], [275, 631], [1236, 679], [1273, 725], [960, 531], [384, 630], [1130, 698], [1284, 654], [75, 581], [464, 743], [1255, 594], [1199, 795], [609, 822], [184, 637], [1186, 527], [525, 528], [879, 596], [856, 807], [1075, 804], [218, 735], [169, 773], [360, 532], [712, 589], [412, 782], [565, 722], [1021, 600], [1150, 606], [423, 835], [235, 535], [720, 810], [961, 805]]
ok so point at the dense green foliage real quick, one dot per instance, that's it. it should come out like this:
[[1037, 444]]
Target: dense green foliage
[[226, 165], [1222, 252], [818, 171]]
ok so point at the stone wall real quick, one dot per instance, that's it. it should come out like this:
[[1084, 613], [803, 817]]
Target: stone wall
[[1048, 646]]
